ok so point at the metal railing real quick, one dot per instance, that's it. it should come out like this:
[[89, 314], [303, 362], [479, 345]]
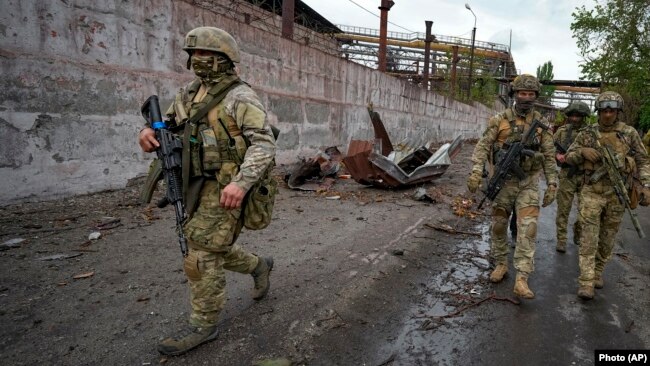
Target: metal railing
[[400, 36]]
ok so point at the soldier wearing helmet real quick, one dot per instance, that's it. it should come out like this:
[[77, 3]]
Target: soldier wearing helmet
[[228, 150], [599, 208], [570, 177], [522, 195]]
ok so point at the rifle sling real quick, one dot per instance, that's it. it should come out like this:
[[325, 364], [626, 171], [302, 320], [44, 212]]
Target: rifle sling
[[219, 92]]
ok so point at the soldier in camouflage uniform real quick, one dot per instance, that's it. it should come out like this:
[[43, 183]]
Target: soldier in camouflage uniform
[[523, 195], [599, 209], [230, 149], [570, 176]]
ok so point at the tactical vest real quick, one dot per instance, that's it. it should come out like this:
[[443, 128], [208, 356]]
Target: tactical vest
[[512, 129], [217, 146], [620, 146]]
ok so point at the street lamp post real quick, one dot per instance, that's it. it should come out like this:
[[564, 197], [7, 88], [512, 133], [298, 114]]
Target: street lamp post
[[471, 55]]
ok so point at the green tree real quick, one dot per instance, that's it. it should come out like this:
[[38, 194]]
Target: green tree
[[545, 73], [614, 41]]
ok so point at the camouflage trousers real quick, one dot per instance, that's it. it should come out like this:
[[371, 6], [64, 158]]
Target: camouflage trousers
[[524, 197], [568, 189], [601, 214], [211, 233]]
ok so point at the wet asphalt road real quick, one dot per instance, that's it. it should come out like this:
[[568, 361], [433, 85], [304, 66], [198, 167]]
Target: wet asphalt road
[[557, 328]]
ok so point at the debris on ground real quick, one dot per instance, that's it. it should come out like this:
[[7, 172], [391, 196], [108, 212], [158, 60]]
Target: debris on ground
[[462, 207], [448, 229], [317, 173], [11, 243], [421, 194], [383, 165]]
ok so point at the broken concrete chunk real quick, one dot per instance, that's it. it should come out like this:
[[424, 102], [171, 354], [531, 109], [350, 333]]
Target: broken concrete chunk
[[94, 235]]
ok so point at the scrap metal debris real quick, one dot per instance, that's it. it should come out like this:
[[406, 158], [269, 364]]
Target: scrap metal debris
[[448, 229], [380, 164], [317, 173]]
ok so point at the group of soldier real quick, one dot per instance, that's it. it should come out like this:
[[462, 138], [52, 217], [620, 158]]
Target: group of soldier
[[578, 150], [217, 113]]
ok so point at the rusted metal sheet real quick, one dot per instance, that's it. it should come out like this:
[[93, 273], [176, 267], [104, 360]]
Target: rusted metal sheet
[[370, 164]]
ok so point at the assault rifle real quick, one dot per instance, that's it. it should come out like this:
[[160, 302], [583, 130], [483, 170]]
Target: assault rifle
[[509, 162], [169, 154], [562, 150], [615, 176]]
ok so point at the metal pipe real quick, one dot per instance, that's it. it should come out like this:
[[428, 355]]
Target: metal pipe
[[383, 32], [452, 80], [288, 14], [427, 49]]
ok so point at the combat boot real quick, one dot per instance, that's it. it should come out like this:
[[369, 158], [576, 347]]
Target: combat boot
[[261, 277], [586, 292], [189, 338], [499, 272], [598, 281], [521, 287], [561, 247]]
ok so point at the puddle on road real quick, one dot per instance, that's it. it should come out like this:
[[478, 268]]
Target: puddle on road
[[426, 339]]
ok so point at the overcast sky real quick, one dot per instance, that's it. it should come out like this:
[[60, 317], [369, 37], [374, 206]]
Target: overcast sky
[[540, 29]]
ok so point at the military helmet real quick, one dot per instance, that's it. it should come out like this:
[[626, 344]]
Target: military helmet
[[525, 82], [212, 39], [609, 99], [577, 107]]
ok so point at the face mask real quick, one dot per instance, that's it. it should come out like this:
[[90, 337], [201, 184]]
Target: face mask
[[524, 105], [210, 68], [575, 120]]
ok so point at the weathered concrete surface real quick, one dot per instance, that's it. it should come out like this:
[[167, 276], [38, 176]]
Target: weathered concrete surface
[[76, 72]]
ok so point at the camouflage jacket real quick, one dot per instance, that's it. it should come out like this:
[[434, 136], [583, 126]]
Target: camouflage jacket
[[629, 152], [242, 113], [646, 141], [564, 136], [499, 131]]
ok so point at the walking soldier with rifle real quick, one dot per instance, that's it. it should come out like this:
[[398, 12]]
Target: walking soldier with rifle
[[570, 176], [517, 142], [228, 149], [616, 178]]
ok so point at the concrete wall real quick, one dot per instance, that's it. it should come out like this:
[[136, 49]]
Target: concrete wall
[[76, 72]]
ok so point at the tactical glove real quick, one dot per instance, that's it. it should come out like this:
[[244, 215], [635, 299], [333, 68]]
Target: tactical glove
[[590, 154], [645, 196], [549, 195], [474, 181]]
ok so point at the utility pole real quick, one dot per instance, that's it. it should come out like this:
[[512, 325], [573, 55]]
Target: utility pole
[[471, 56]]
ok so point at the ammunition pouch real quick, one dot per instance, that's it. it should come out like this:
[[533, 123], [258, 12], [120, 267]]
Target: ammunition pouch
[[259, 202]]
